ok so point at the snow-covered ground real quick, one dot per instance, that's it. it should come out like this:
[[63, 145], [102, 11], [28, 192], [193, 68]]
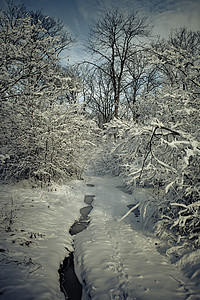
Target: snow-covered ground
[[33, 248], [118, 259], [114, 258]]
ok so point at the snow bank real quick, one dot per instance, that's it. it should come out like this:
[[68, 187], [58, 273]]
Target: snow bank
[[190, 264], [34, 228]]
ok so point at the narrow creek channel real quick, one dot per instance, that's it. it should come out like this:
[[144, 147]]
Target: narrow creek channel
[[69, 283]]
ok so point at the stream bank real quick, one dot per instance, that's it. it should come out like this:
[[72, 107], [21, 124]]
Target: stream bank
[[69, 283]]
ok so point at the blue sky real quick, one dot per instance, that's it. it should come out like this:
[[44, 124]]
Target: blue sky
[[77, 14]]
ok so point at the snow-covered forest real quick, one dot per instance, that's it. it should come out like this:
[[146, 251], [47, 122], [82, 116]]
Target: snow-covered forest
[[130, 110]]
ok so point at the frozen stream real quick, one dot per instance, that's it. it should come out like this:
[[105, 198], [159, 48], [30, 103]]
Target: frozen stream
[[114, 258], [69, 282]]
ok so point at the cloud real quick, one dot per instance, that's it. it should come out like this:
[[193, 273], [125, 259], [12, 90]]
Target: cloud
[[176, 14], [163, 14], [86, 8], [89, 9]]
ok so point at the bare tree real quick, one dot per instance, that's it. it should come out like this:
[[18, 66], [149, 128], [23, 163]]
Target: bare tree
[[141, 78], [113, 41], [98, 95]]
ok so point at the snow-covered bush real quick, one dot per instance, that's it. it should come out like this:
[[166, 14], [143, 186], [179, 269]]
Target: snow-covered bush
[[160, 157], [111, 150], [55, 145], [44, 134], [180, 210]]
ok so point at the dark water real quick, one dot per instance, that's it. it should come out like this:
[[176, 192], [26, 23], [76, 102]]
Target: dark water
[[84, 221], [69, 283]]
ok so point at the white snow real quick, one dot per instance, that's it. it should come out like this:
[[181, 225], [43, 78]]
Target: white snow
[[118, 259], [32, 251], [114, 259]]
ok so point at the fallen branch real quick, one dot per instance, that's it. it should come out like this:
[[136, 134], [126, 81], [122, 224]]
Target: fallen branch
[[134, 207]]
